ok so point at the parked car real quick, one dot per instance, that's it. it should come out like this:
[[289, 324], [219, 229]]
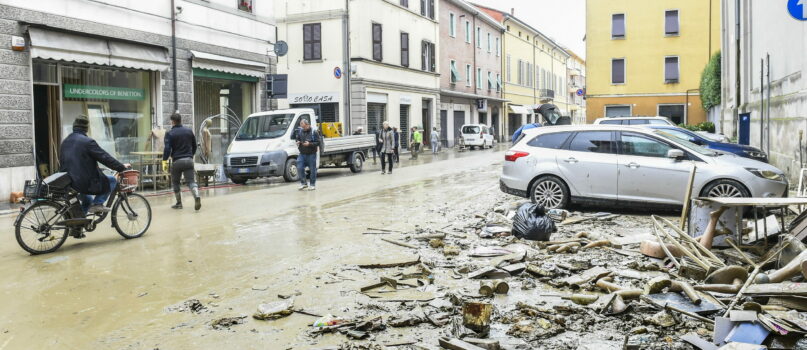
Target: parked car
[[477, 135], [655, 121], [265, 147], [609, 164], [694, 137], [634, 121]]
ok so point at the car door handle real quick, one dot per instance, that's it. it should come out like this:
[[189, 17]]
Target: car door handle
[[571, 160], [632, 165]]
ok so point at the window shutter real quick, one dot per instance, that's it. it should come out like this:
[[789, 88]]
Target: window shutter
[[671, 69], [405, 49], [422, 7], [377, 47], [671, 22], [423, 54], [431, 9], [307, 46], [618, 71], [618, 26], [432, 63], [316, 41]]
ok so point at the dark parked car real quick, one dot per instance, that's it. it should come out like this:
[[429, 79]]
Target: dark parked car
[[691, 136]]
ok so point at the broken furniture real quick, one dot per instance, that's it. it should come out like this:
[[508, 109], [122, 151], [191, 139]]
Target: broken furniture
[[756, 204]]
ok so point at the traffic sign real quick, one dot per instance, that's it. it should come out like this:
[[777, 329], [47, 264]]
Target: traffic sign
[[580, 92], [337, 72], [281, 48], [797, 9]]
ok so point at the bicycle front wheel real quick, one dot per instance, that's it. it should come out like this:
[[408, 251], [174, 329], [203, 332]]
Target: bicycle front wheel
[[131, 215], [40, 229]]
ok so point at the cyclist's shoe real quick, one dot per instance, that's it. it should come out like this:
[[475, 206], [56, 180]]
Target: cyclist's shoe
[[98, 209], [78, 234], [198, 204], [177, 206]]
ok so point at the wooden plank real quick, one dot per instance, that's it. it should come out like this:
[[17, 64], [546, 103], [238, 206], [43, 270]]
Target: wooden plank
[[755, 201]]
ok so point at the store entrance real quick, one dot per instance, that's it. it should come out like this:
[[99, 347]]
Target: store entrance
[[219, 96], [46, 128]]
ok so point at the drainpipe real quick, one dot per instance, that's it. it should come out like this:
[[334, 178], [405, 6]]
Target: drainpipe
[[534, 92], [737, 82], [476, 84], [174, 54], [768, 113], [762, 104], [347, 73]]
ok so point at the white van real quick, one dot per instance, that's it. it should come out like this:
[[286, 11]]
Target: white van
[[265, 146], [477, 135]]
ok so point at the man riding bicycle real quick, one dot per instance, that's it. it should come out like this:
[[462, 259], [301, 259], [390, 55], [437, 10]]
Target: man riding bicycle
[[79, 156]]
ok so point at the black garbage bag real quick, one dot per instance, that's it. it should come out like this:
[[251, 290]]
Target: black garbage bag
[[532, 223]]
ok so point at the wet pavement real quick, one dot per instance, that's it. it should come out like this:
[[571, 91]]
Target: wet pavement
[[247, 245]]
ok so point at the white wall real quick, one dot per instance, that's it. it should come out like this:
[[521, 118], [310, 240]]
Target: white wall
[[217, 22]]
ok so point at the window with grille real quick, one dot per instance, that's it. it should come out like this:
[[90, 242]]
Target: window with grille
[[312, 41]]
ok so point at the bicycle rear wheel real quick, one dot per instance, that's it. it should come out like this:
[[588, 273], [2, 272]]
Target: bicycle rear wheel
[[35, 229], [131, 215]]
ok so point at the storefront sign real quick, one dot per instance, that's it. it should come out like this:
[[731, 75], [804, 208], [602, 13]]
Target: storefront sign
[[103, 92], [406, 100], [327, 97]]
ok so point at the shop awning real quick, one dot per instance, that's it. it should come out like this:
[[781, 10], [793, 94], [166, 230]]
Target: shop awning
[[69, 47], [217, 63], [519, 109]]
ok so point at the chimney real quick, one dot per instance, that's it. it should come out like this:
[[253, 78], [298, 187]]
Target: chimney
[[512, 11]]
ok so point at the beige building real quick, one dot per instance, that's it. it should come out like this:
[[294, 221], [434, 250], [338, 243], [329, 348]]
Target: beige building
[[576, 79], [470, 59], [389, 69]]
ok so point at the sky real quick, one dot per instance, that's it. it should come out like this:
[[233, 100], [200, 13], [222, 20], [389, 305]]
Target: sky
[[564, 21]]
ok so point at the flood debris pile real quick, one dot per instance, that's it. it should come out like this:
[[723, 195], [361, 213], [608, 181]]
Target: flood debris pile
[[598, 281]]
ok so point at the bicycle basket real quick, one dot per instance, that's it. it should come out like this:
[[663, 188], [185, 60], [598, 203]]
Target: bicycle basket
[[129, 180], [35, 189]]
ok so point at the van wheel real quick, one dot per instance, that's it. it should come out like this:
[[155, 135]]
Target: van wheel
[[238, 180], [550, 192], [290, 172], [358, 163]]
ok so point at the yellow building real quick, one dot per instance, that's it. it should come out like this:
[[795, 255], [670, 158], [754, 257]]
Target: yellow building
[[534, 70], [646, 57]]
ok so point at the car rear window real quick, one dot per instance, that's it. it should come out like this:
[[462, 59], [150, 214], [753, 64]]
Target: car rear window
[[593, 141], [637, 121], [553, 140], [470, 129], [658, 122], [611, 122]]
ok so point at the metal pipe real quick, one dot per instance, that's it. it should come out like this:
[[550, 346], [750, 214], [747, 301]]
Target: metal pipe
[[347, 71], [174, 54], [737, 82], [761, 104], [768, 112]]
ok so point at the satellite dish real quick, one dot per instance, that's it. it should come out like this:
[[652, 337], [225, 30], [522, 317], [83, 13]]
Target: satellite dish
[[281, 48]]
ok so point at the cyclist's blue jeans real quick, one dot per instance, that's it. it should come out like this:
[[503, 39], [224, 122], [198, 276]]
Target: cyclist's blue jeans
[[88, 200]]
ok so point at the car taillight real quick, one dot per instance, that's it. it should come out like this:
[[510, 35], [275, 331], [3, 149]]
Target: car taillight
[[481, 135], [511, 156]]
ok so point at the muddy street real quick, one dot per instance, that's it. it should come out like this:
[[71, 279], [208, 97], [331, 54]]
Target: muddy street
[[242, 249]]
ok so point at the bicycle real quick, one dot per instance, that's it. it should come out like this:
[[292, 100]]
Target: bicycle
[[56, 211]]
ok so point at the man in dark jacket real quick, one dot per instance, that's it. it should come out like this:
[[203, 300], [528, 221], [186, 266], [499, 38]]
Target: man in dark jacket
[[307, 142], [79, 156], [180, 145]]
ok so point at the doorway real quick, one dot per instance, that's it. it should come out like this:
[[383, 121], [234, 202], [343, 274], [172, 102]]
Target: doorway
[[427, 120], [459, 121], [444, 128], [495, 125], [47, 137], [376, 116], [404, 121], [514, 123]]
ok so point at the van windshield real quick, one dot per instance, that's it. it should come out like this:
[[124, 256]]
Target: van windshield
[[470, 129], [265, 127]]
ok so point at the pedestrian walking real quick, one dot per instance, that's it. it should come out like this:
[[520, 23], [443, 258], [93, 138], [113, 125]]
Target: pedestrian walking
[[180, 145], [307, 143], [417, 139], [397, 144], [387, 148], [435, 140]]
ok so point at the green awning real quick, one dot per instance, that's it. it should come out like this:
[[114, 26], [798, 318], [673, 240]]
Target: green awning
[[206, 73]]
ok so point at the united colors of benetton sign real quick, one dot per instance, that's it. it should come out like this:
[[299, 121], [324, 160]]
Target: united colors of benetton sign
[[103, 92]]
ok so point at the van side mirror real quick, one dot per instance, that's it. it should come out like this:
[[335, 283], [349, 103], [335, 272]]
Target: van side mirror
[[675, 154]]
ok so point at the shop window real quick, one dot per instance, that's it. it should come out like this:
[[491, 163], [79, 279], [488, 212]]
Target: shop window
[[312, 41], [118, 104], [245, 5], [221, 94], [675, 112]]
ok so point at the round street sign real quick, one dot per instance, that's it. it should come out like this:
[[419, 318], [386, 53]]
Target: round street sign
[[337, 72], [797, 9], [580, 92], [281, 48]]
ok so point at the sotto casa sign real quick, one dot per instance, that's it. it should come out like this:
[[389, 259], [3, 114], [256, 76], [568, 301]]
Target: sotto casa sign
[[314, 98]]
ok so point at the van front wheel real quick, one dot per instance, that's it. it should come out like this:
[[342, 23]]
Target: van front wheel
[[290, 173]]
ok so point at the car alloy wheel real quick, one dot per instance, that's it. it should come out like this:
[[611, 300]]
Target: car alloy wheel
[[725, 190], [549, 194]]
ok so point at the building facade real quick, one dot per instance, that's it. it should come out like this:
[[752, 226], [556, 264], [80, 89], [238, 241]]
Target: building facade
[[577, 88], [373, 61], [772, 46], [534, 71], [63, 58], [646, 57], [470, 59]]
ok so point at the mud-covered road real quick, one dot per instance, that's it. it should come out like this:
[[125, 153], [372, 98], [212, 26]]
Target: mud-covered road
[[243, 248]]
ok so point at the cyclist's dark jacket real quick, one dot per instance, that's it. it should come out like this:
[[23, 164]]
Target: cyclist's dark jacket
[[79, 156], [179, 143]]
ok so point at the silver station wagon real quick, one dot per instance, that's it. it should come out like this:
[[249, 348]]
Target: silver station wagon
[[607, 164]]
